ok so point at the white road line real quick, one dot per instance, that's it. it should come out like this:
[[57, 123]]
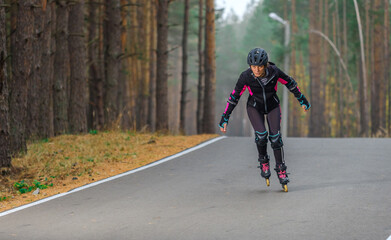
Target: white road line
[[389, 238], [113, 177]]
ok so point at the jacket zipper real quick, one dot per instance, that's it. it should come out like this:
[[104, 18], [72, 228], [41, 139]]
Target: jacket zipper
[[264, 94], [264, 98]]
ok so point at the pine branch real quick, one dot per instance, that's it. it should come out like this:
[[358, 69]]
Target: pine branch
[[173, 49], [123, 56], [131, 4]]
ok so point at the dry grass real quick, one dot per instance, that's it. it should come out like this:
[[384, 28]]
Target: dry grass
[[70, 161]]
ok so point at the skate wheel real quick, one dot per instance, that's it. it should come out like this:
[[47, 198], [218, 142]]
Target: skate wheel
[[267, 182], [285, 187]]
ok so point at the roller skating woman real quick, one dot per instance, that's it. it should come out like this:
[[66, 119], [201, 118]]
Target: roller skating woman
[[261, 79]]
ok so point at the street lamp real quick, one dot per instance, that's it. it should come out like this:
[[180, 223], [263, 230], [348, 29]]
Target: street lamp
[[274, 16], [286, 24]]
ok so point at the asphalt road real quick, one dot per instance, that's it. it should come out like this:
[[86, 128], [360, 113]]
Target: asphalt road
[[340, 189]]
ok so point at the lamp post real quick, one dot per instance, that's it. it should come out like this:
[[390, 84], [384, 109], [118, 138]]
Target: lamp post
[[286, 24]]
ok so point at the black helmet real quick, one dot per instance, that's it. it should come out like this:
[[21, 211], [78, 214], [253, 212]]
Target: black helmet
[[257, 56]]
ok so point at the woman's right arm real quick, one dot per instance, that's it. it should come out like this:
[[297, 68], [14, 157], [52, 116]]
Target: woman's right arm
[[233, 100]]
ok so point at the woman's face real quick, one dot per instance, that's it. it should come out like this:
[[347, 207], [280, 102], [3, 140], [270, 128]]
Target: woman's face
[[258, 70]]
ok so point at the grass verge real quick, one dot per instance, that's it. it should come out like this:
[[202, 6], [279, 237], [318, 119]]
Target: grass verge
[[60, 164]]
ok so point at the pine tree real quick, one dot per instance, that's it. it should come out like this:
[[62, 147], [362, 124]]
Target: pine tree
[[77, 57], [200, 89], [209, 123], [161, 68], [5, 157], [113, 63], [22, 52], [61, 74], [184, 67]]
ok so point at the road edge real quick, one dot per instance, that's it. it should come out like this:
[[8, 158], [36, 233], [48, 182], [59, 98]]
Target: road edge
[[163, 160]]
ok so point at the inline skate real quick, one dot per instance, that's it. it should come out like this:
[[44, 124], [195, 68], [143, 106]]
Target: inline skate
[[282, 176], [265, 168]]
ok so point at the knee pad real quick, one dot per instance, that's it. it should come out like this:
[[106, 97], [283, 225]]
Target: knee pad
[[276, 141], [261, 138]]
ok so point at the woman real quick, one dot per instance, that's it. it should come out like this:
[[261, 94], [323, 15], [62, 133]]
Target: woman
[[261, 80]]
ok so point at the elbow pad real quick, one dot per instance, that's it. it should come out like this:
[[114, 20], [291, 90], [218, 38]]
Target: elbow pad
[[232, 100], [292, 84]]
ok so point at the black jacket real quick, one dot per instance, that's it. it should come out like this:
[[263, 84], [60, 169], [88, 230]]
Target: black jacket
[[263, 91]]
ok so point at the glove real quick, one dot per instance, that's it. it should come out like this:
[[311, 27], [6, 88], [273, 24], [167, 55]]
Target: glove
[[304, 102], [224, 119]]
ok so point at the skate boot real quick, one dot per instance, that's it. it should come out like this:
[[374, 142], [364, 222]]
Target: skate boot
[[282, 176], [265, 168]]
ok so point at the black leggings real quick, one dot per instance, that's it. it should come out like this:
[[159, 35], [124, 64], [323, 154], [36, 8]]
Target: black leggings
[[257, 119]]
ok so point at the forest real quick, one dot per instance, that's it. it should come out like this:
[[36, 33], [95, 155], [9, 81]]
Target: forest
[[338, 53], [74, 66]]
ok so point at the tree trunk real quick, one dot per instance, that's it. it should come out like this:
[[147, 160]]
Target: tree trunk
[[152, 70], [123, 84], [133, 65], [142, 65], [61, 74], [138, 32], [386, 65], [293, 127], [146, 60], [96, 109], [364, 119], [46, 127], [339, 85], [387, 61], [209, 124], [174, 96], [304, 125], [5, 156], [78, 79], [341, 101], [184, 68], [112, 60], [200, 98], [40, 106], [102, 64], [35, 82], [161, 68], [377, 93], [325, 66], [323, 69], [121, 91], [21, 66], [345, 34], [316, 113]]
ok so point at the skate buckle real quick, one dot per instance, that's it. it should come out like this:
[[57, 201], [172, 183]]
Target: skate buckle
[[265, 167], [282, 174]]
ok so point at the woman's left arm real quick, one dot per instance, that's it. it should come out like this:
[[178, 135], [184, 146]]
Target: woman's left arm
[[291, 84]]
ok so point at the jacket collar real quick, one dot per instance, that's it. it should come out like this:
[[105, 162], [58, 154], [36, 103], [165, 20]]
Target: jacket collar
[[266, 79]]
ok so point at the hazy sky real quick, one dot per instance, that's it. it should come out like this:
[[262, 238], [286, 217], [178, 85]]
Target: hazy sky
[[239, 6]]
